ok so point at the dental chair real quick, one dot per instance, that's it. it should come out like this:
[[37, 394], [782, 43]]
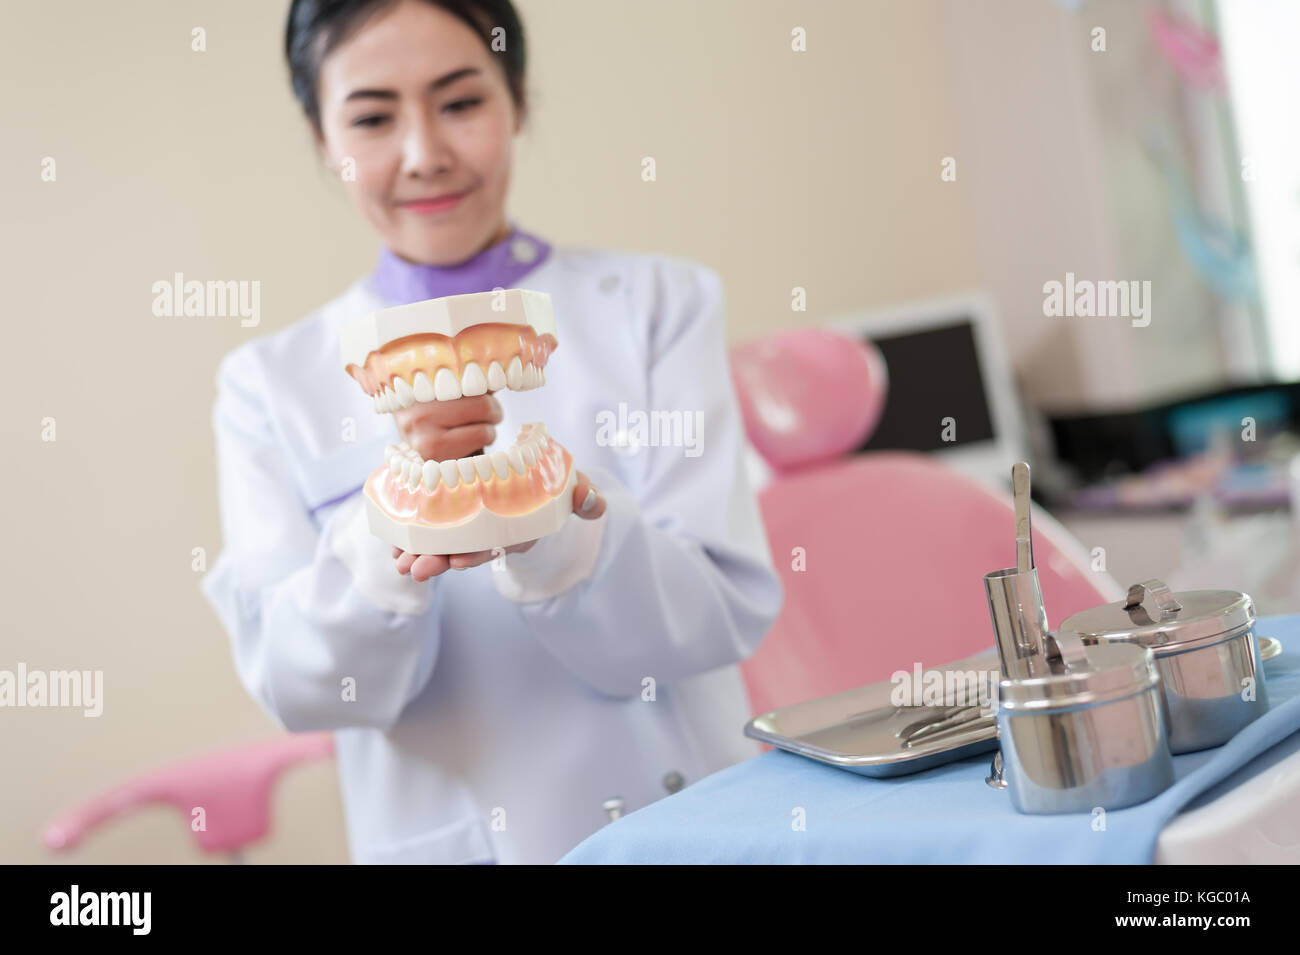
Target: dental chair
[[881, 556]]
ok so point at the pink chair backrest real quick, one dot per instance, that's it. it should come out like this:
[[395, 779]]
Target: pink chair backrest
[[882, 555], [894, 547], [233, 787]]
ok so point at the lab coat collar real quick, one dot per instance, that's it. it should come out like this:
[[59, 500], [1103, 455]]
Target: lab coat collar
[[501, 265]]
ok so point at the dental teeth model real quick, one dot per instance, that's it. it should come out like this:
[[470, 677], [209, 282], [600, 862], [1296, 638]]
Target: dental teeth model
[[440, 350]]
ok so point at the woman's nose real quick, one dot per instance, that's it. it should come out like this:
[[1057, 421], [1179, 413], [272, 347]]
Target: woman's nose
[[424, 152]]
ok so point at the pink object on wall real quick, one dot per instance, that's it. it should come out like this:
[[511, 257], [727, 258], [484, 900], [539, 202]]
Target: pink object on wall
[[233, 787], [1192, 51], [808, 394]]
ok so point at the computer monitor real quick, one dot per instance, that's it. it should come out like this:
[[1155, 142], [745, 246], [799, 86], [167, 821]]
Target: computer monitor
[[946, 359]]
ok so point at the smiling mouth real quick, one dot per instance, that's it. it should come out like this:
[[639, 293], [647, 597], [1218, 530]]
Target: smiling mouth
[[439, 204]]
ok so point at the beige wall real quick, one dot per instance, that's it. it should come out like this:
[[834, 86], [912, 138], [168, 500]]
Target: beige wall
[[779, 169]]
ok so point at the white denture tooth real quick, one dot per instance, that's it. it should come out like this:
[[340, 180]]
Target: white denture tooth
[[423, 387], [466, 468], [482, 466], [472, 381], [395, 464], [516, 459], [450, 473], [404, 447], [500, 464], [515, 374], [405, 473], [374, 402], [413, 455], [446, 386], [432, 474], [496, 376], [530, 376], [416, 478], [390, 450], [405, 396], [528, 454], [541, 377], [387, 399]]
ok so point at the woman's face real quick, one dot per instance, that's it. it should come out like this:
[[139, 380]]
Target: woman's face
[[414, 109]]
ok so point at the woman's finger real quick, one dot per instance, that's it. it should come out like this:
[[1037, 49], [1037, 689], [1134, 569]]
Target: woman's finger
[[465, 561], [588, 502], [459, 442], [428, 565], [449, 414], [404, 561]]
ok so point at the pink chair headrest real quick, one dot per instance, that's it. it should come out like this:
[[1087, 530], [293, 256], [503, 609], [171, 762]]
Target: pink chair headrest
[[808, 394]]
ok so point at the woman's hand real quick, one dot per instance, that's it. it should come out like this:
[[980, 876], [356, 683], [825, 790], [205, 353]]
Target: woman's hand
[[588, 504], [443, 430]]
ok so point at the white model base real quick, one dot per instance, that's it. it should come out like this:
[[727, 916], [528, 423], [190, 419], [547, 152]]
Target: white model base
[[486, 530]]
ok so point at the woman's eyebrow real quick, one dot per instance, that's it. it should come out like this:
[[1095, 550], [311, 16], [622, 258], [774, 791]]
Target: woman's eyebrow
[[439, 83]]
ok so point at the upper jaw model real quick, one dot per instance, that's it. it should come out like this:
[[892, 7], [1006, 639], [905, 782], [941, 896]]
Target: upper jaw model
[[439, 350]]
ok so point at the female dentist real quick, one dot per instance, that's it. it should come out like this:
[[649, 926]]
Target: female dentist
[[485, 708]]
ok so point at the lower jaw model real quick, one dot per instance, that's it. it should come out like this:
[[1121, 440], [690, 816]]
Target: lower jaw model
[[440, 350]]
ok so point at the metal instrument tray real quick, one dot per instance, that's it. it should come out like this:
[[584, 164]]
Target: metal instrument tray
[[862, 731]]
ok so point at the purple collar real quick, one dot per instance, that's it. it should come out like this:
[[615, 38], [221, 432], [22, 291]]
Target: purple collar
[[400, 282]]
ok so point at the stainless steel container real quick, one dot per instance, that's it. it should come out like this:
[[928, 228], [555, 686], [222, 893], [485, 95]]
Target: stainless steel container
[[1090, 735], [1205, 652]]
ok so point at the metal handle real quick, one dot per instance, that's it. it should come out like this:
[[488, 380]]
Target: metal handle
[[1158, 589], [1068, 646], [1024, 532]]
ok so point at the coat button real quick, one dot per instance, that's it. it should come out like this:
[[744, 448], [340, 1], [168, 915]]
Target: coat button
[[614, 807], [522, 250]]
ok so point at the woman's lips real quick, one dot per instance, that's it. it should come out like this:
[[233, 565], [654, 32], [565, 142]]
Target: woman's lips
[[429, 207]]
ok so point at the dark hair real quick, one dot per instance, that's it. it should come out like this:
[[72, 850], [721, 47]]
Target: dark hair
[[316, 27]]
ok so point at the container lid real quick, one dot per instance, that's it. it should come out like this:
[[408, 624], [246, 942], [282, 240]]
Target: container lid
[[1113, 671], [1155, 617]]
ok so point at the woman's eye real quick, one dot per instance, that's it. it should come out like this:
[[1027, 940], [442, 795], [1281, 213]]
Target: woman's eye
[[461, 105], [370, 121]]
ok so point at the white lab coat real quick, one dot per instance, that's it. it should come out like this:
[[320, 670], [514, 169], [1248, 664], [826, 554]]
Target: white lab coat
[[495, 709]]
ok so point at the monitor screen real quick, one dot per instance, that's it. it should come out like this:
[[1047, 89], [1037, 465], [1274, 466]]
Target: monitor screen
[[934, 373]]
